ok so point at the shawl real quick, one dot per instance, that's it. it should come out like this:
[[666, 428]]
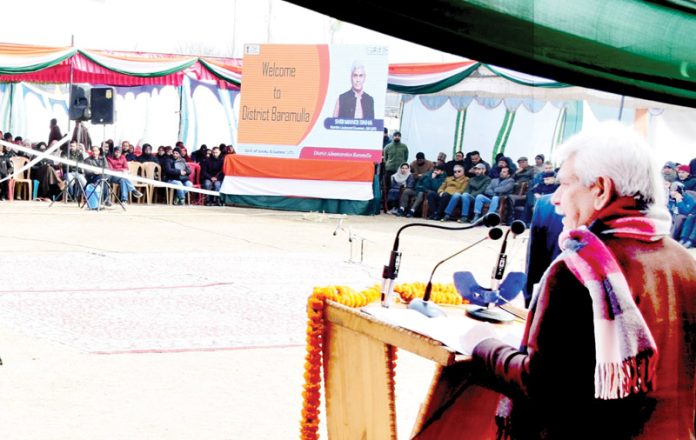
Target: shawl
[[626, 353]]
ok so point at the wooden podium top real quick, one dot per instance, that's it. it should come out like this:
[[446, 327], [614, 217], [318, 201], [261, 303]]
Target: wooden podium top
[[387, 333]]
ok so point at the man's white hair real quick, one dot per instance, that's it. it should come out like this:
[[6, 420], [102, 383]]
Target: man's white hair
[[357, 65], [613, 150]]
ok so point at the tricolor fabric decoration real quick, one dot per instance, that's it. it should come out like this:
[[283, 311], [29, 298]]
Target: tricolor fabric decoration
[[298, 184]]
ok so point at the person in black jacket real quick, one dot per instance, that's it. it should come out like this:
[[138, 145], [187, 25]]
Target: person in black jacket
[[176, 171], [347, 104], [211, 175], [147, 155], [6, 168]]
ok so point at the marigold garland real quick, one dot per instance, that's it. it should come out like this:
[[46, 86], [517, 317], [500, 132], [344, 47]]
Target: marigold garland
[[311, 391]]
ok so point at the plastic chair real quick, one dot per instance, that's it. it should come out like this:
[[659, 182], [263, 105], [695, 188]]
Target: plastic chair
[[195, 178], [22, 181], [136, 169], [151, 170]]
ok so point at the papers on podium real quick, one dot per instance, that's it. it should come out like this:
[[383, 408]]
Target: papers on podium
[[451, 330]]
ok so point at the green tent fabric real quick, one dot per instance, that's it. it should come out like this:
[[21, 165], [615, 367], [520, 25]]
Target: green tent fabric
[[637, 48]]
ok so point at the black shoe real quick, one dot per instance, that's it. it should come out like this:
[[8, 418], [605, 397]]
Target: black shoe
[[409, 214], [400, 212], [446, 218], [436, 217], [107, 203]]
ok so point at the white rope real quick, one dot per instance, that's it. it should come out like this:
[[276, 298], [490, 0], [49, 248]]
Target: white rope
[[98, 170], [40, 155]]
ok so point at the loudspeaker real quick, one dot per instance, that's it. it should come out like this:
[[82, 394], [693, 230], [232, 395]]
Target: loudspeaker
[[78, 109], [102, 105]]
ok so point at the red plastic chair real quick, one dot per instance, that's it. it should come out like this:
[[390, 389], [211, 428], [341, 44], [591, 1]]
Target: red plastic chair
[[195, 179]]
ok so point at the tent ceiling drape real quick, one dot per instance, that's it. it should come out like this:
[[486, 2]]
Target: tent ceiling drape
[[638, 48]]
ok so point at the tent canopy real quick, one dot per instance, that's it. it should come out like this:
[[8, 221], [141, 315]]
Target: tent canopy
[[631, 47]]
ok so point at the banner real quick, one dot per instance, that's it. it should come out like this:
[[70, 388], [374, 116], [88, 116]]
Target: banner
[[313, 102]]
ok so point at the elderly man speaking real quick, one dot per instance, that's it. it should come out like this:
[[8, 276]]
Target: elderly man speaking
[[610, 344]]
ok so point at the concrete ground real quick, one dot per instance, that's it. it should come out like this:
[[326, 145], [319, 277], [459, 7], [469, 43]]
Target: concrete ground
[[186, 322]]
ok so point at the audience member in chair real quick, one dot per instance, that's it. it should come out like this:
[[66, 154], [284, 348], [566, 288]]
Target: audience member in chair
[[118, 162], [72, 171], [211, 175], [458, 160], [147, 155], [46, 172], [477, 186], [421, 166], [400, 181], [177, 172], [437, 201], [684, 177], [499, 187], [472, 159], [6, 168], [429, 183]]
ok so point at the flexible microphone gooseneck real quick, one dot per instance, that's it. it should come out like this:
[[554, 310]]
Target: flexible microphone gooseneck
[[424, 305], [391, 270]]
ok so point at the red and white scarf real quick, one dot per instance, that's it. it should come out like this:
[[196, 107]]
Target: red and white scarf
[[626, 353]]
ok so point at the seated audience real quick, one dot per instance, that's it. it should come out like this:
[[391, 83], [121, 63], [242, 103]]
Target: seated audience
[[684, 177], [176, 171], [147, 155], [499, 187], [6, 168], [400, 180], [473, 158], [476, 186], [427, 184], [118, 162], [421, 166], [437, 201], [212, 176]]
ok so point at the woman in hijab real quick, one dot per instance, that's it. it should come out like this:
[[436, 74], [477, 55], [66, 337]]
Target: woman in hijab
[[400, 180]]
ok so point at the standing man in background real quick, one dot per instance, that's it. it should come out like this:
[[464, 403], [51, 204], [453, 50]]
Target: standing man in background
[[395, 154], [54, 134]]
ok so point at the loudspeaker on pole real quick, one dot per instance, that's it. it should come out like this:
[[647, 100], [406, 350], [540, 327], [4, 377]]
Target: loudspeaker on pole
[[79, 107], [102, 104]]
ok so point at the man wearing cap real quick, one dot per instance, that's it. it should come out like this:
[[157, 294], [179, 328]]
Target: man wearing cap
[[539, 163], [477, 185], [421, 166], [441, 159], [525, 172], [669, 171], [429, 183], [395, 154], [683, 176]]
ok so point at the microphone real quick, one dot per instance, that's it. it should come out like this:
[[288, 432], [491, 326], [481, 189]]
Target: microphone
[[391, 270], [517, 227], [431, 310], [500, 292]]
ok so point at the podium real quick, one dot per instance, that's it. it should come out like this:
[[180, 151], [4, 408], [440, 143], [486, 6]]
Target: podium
[[360, 396]]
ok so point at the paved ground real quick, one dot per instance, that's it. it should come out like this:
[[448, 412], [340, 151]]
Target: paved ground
[[184, 322]]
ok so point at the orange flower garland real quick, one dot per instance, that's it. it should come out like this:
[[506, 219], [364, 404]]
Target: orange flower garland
[[311, 393]]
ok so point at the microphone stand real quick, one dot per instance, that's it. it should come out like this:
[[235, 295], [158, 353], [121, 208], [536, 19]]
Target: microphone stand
[[391, 270], [424, 305]]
